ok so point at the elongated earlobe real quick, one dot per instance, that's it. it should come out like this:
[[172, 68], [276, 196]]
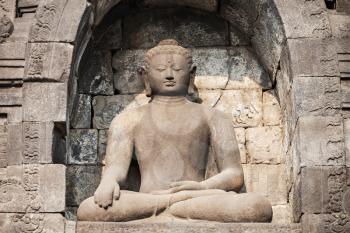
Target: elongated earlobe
[[191, 87], [143, 75]]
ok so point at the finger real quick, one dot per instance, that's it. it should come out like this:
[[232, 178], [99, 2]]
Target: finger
[[116, 193], [178, 189], [161, 192]]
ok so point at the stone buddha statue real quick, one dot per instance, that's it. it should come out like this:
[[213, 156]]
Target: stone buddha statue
[[172, 139]]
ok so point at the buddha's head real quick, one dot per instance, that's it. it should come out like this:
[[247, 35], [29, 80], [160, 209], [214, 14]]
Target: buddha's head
[[169, 70]]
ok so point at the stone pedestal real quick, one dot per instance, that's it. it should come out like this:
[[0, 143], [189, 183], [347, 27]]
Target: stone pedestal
[[190, 226]]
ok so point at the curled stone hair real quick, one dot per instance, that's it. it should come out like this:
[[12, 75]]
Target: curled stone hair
[[168, 46]]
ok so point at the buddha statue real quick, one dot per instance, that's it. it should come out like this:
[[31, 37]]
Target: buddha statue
[[172, 139]]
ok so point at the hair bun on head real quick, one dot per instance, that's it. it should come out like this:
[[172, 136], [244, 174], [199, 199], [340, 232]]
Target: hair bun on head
[[168, 42]]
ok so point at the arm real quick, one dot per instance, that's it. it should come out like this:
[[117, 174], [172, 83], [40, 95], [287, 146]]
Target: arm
[[118, 158], [225, 149]]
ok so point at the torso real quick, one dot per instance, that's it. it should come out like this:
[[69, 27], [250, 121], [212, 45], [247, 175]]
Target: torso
[[171, 144]]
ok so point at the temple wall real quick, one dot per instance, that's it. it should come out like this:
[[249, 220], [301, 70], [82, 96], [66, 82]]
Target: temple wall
[[279, 68]]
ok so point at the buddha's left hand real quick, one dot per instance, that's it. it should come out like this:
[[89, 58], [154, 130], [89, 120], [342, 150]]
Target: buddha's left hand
[[181, 186]]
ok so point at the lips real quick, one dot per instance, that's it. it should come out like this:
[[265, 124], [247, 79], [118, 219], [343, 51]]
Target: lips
[[169, 83]]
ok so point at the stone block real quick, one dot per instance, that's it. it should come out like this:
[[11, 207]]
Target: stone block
[[244, 105], [344, 63], [264, 145], [102, 144], [212, 67], [71, 213], [57, 21], [95, 73], [83, 147], [14, 144], [82, 182], [48, 61], [126, 63], [246, 71], [81, 112], [207, 5], [267, 180], [192, 226], [44, 102], [322, 189], [12, 60], [189, 28], [269, 36], [347, 141], [70, 226], [327, 148], [313, 13], [272, 113], [316, 95], [33, 188], [343, 6], [241, 140], [313, 57], [8, 9], [324, 223], [112, 38], [345, 93], [15, 222], [10, 96], [107, 107], [340, 25], [282, 214]]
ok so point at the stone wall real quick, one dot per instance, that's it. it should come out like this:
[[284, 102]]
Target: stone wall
[[229, 78], [302, 46]]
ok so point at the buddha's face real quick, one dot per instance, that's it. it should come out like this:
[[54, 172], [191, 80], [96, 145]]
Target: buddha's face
[[169, 74]]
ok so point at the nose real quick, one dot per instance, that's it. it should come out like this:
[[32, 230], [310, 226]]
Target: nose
[[169, 75], [169, 78]]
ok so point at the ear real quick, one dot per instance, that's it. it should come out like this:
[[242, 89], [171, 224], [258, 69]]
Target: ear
[[193, 70], [142, 73]]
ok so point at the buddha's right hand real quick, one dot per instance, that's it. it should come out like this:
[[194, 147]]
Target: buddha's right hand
[[106, 193]]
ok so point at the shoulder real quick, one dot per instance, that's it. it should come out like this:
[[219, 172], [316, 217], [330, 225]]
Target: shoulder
[[128, 119]]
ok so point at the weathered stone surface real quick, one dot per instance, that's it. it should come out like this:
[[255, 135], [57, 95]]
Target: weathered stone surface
[[313, 57], [14, 114], [11, 222], [57, 20], [322, 189], [48, 61], [268, 36], [209, 97], [345, 93], [112, 37], [343, 6], [70, 226], [81, 114], [241, 140], [44, 102], [95, 73], [8, 8], [264, 145], [71, 213], [316, 95], [237, 38], [324, 223], [11, 96], [340, 25], [347, 140], [189, 28], [272, 114], [102, 144], [344, 63], [327, 148], [246, 71], [6, 28], [82, 182], [102, 7], [83, 146], [21, 29], [282, 214], [126, 63], [194, 226], [107, 107], [14, 152], [212, 67], [207, 5], [267, 180], [313, 14], [245, 106], [32, 188]]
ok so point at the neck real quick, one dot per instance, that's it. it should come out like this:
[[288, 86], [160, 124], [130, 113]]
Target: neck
[[168, 100]]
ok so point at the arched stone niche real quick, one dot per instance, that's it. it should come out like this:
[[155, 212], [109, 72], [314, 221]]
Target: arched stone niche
[[230, 77]]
